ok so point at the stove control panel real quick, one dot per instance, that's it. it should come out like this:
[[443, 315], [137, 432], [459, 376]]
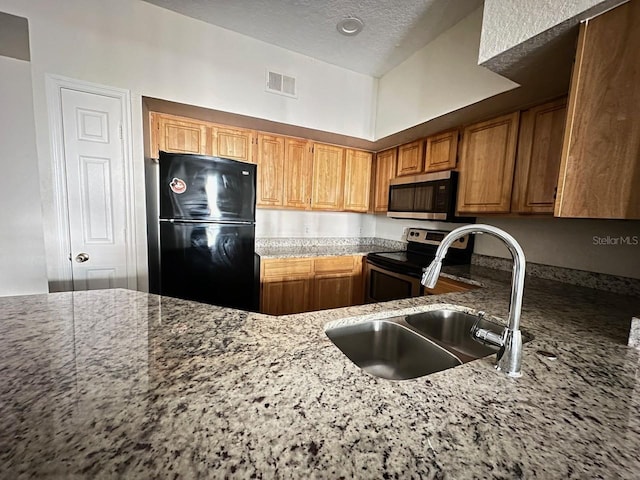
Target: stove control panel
[[434, 237]]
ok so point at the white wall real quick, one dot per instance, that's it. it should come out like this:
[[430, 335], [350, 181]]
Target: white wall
[[22, 258], [507, 24], [158, 53], [297, 224], [440, 78]]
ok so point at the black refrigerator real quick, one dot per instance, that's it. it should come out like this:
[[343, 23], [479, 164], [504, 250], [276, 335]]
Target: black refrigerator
[[207, 230]]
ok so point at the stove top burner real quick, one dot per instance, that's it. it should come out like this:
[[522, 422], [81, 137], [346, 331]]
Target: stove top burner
[[421, 250]]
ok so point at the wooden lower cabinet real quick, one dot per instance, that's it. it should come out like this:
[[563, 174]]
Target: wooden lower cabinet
[[448, 285], [285, 285], [295, 285], [337, 282]]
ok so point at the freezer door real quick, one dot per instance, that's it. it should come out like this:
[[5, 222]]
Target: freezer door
[[197, 187], [210, 263]]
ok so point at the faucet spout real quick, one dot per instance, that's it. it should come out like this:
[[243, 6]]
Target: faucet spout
[[510, 356]]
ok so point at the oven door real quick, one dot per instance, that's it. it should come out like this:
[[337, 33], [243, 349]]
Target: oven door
[[382, 285]]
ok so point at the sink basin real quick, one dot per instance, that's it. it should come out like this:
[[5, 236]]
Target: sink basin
[[414, 345], [453, 328], [387, 349]]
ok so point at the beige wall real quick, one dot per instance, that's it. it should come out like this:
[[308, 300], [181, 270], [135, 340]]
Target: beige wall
[[572, 243], [440, 78]]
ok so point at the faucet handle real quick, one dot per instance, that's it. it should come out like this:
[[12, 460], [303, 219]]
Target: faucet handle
[[485, 335], [474, 328]]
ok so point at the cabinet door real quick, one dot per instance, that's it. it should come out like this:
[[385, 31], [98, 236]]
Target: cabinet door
[[385, 171], [410, 158], [178, 135], [328, 174], [297, 174], [336, 282], [448, 285], [600, 169], [538, 159], [286, 285], [487, 164], [234, 143], [357, 184], [441, 152], [270, 159]]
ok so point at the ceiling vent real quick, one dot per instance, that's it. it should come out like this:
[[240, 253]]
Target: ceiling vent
[[281, 84]]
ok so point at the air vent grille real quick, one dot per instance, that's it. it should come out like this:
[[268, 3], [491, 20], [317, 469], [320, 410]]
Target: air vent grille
[[281, 84]]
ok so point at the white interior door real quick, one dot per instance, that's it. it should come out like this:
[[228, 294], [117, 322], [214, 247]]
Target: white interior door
[[96, 188]]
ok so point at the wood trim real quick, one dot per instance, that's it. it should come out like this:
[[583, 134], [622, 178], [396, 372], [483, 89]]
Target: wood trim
[[576, 75]]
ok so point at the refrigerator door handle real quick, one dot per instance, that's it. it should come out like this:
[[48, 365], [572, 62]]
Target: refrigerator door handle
[[220, 222]]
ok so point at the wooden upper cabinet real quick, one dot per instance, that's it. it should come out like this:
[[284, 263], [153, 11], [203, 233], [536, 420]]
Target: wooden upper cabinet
[[410, 158], [328, 175], [235, 143], [600, 168], [538, 158], [270, 160], [178, 135], [487, 165], [385, 171], [298, 168], [441, 151], [357, 180]]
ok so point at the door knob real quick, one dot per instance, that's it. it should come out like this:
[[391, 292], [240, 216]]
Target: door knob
[[82, 257]]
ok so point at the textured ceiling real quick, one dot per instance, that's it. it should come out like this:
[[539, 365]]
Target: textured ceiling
[[394, 29]]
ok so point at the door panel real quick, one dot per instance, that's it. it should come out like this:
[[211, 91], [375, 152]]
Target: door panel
[[94, 165], [208, 262], [210, 188]]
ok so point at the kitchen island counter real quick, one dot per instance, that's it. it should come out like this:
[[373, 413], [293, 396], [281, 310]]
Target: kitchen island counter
[[119, 383]]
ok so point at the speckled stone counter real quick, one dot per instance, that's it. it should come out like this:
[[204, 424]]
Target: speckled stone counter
[[323, 247], [121, 384]]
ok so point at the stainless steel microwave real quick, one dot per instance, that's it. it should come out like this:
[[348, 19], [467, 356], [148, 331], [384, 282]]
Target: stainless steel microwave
[[431, 196]]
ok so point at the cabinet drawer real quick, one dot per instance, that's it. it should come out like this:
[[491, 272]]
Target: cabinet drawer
[[334, 265], [287, 267]]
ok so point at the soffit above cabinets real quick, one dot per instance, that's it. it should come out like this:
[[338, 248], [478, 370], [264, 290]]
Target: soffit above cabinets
[[392, 31]]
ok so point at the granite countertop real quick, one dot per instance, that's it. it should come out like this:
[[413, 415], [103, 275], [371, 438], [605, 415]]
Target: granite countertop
[[116, 383], [317, 251], [323, 247]]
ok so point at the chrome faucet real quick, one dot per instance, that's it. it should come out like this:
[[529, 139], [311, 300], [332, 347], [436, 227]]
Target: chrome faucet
[[510, 354]]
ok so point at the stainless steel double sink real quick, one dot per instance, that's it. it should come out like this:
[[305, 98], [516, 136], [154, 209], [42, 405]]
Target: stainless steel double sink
[[410, 346]]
